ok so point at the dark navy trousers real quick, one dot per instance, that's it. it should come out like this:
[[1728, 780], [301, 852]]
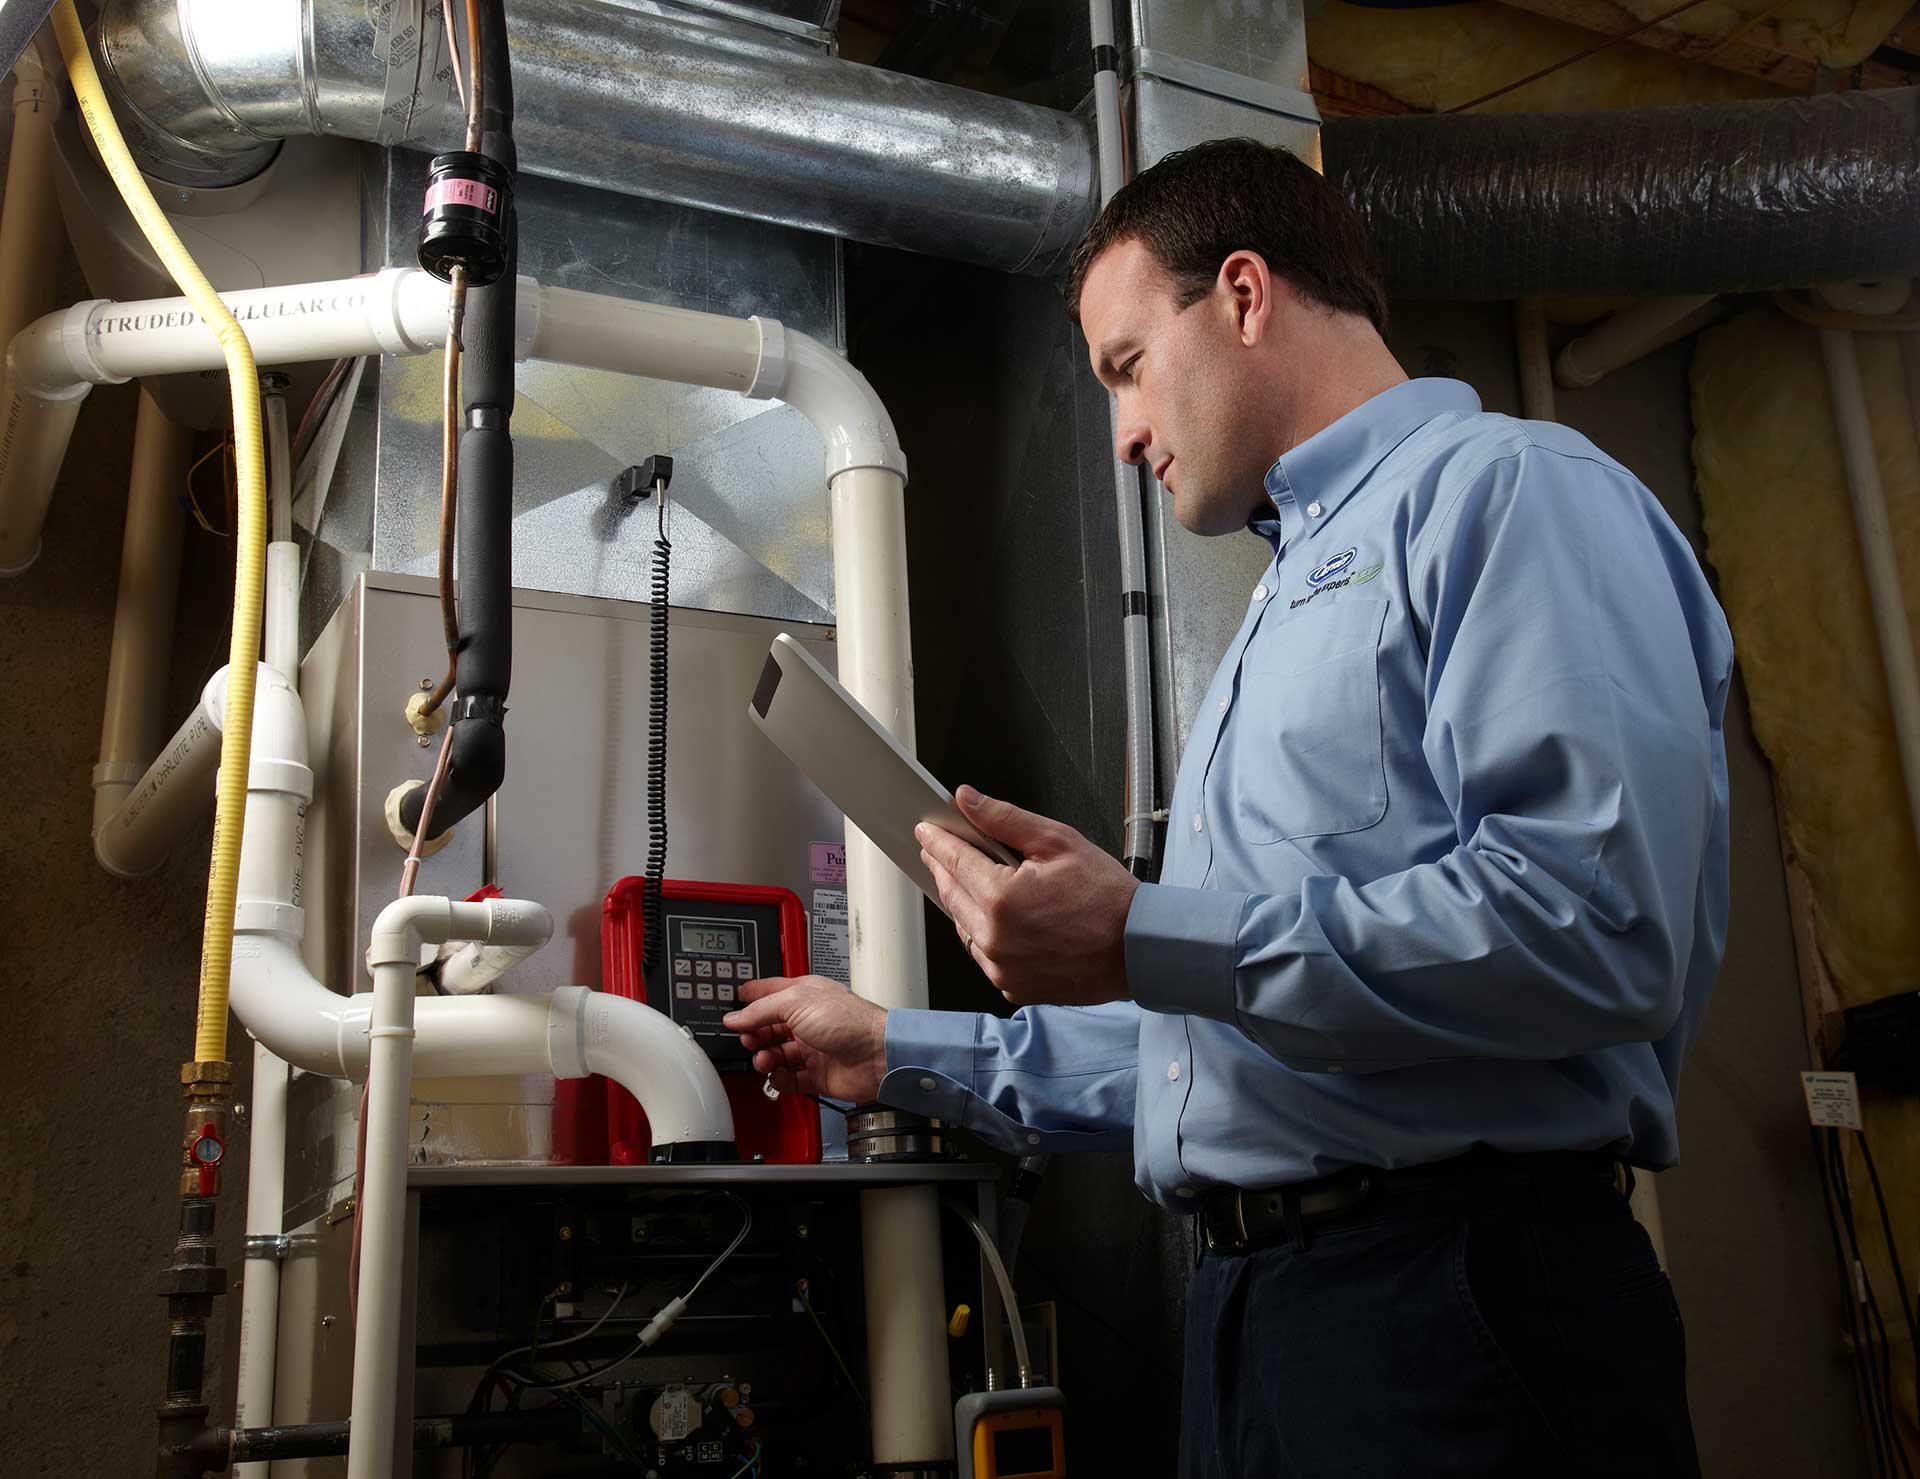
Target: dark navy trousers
[[1533, 1334]]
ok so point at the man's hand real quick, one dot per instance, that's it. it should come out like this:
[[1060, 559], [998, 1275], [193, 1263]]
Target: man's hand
[[814, 1036], [1051, 929]]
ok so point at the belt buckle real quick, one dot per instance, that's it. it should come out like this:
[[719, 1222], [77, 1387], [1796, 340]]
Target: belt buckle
[[1238, 1233]]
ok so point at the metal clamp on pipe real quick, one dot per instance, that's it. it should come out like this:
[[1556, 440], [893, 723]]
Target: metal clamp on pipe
[[877, 1135]]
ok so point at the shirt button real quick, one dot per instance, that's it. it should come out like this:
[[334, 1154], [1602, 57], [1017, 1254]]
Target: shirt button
[[1223, 704], [1313, 510], [928, 1084], [1173, 1071], [1259, 593], [1196, 821]]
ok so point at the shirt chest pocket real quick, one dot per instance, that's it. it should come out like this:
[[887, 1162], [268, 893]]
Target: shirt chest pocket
[[1307, 749]]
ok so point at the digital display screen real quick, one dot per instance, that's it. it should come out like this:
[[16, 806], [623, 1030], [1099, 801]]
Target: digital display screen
[[1023, 1451], [702, 937]]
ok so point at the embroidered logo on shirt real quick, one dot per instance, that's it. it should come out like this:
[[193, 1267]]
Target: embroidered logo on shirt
[[1327, 577], [1323, 573]]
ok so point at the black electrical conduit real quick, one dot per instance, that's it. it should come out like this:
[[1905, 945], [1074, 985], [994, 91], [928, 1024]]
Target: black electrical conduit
[[1724, 197], [484, 663]]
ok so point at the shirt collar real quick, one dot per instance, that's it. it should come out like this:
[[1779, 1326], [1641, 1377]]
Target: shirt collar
[[1331, 465]]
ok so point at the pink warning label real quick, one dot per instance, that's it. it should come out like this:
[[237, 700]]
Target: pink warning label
[[827, 862], [476, 193]]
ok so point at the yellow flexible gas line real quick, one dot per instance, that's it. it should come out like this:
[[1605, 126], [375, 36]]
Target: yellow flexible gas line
[[249, 545]]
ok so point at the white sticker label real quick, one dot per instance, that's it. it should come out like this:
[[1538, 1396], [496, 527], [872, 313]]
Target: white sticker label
[[1833, 1100], [829, 955], [672, 1415]]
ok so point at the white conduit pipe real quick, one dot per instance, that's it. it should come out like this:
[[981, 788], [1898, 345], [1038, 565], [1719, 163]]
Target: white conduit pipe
[[403, 311], [258, 1359], [143, 611], [394, 954], [1631, 334], [29, 252], [175, 792], [260, 1285], [1876, 552], [1536, 366], [1136, 633]]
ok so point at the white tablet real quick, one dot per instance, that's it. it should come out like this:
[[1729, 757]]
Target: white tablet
[[863, 770]]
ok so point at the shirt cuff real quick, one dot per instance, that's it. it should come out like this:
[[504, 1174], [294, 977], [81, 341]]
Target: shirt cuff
[[1182, 947], [930, 1062]]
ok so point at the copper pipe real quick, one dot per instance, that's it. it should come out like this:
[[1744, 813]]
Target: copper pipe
[[449, 483], [411, 870], [476, 87]]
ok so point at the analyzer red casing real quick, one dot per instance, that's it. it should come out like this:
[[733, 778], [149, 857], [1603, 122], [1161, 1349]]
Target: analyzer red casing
[[783, 1131]]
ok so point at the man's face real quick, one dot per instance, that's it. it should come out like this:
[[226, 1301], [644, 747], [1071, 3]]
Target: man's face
[[1180, 376]]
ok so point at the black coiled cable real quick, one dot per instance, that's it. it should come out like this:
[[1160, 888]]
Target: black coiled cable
[[652, 899]]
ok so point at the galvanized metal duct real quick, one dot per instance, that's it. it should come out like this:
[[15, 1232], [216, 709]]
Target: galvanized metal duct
[[1645, 201], [620, 98]]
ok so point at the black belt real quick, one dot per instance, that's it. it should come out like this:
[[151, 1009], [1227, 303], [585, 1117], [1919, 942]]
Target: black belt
[[1232, 1220]]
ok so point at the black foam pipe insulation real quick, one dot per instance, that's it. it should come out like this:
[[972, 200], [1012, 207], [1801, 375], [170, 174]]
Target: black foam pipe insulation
[[1727, 197], [477, 763]]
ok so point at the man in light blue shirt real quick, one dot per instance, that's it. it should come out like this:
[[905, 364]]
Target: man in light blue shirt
[[1444, 892]]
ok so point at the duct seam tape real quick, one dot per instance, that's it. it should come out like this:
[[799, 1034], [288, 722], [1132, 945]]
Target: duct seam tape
[[567, 1032]]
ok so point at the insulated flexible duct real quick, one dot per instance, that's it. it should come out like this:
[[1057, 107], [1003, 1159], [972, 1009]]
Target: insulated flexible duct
[[625, 99], [1645, 201]]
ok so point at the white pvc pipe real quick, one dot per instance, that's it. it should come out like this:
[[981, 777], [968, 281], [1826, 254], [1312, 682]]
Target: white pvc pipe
[[258, 1359], [599, 333], [394, 955], [570, 1034], [29, 252], [472, 969], [402, 311], [1536, 366], [1629, 335], [1108, 134], [143, 611], [175, 791], [260, 1286], [1877, 553], [900, 1229], [280, 632]]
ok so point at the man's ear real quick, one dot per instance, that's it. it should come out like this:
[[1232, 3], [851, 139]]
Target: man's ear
[[1247, 289]]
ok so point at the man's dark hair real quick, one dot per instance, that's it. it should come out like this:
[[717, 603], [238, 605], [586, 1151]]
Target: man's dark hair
[[1197, 207]]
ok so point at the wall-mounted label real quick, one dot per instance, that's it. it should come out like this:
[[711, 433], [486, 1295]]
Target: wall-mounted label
[[1833, 1100], [827, 863], [828, 953]]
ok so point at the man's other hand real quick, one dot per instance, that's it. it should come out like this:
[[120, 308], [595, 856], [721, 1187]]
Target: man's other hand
[[1051, 929], [814, 1036]]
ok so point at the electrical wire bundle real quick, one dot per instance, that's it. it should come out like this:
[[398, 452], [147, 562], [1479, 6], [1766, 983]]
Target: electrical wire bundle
[[1873, 1354], [516, 1377]]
